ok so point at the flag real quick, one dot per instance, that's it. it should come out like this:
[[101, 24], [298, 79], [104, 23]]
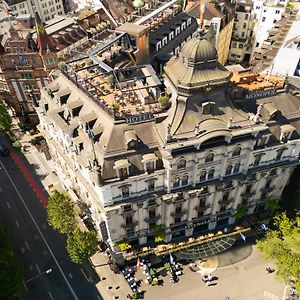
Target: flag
[[202, 10], [243, 237], [138, 263], [171, 259], [263, 226], [89, 131]]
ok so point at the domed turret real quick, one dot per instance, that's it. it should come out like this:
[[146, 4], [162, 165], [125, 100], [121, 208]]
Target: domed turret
[[199, 50]]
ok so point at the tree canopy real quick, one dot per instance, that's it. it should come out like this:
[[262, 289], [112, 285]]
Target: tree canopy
[[81, 245], [5, 119], [282, 245], [61, 214], [10, 282]]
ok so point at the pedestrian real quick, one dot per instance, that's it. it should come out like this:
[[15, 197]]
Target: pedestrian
[[209, 277]]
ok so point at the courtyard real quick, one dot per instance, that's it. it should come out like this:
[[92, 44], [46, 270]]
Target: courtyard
[[240, 274]]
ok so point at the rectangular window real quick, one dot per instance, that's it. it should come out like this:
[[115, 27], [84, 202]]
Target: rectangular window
[[277, 11], [257, 159], [263, 19], [244, 25]]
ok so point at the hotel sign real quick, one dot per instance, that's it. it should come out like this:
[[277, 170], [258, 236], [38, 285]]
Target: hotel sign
[[139, 118], [260, 94]]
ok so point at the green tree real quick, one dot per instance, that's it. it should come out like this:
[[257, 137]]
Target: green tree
[[241, 211], [10, 282], [163, 100], [5, 119], [272, 205], [124, 245], [81, 245], [89, 62], [282, 245], [110, 79], [159, 233], [61, 214]]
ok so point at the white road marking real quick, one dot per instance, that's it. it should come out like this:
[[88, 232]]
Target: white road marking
[[17, 224], [284, 292], [27, 245], [8, 205], [51, 296], [22, 250], [40, 232], [37, 267]]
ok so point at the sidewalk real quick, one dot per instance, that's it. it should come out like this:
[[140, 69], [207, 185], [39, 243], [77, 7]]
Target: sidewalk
[[111, 286]]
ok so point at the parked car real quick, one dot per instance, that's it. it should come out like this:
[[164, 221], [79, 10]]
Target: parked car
[[4, 150]]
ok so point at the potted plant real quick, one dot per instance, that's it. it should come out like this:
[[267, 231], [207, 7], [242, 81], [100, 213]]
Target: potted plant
[[124, 245]]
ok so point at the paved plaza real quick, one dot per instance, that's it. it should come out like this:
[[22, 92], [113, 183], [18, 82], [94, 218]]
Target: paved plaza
[[241, 276]]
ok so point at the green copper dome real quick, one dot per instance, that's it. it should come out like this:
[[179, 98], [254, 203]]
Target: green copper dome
[[138, 3], [199, 50]]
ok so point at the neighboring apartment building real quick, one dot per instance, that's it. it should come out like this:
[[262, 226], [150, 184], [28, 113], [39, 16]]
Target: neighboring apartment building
[[267, 13], [282, 41], [187, 169], [26, 59], [47, 9], [218, 23], [243, 32]]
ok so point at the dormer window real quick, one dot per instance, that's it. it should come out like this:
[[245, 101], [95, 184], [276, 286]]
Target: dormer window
[[181, 164], [149, 161], [286, 132], [122, 168]]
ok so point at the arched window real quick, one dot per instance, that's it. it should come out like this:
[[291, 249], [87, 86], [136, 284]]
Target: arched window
[[211, 174], [228, 170], [236, 168], [176, 182], [181, 164], [209, 157], [203, 175], [236, 151], [185, 180]]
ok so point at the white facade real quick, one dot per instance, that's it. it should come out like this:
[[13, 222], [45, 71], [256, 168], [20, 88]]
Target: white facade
[[287, 60], [47, 9], [267, 13]]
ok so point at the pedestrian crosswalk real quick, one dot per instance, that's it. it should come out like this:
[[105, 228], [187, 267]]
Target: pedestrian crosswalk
[[269, 295]]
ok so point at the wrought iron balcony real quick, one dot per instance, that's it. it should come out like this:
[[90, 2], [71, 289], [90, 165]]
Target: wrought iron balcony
[[129, 225], [151, 219], [225, 201], [267, 189], [248, 194], [202, 207], [177, 214]]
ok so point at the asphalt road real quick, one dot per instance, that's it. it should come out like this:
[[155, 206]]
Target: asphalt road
[[48, 271]]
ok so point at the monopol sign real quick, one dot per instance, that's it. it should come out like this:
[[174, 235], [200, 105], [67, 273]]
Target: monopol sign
[[260, 94]]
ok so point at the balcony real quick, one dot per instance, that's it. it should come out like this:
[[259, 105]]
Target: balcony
[[225, 213], [202, 207], [178, 214], [129, 225], [225, 201], [267, 189], [152, 219], [248, 194]]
